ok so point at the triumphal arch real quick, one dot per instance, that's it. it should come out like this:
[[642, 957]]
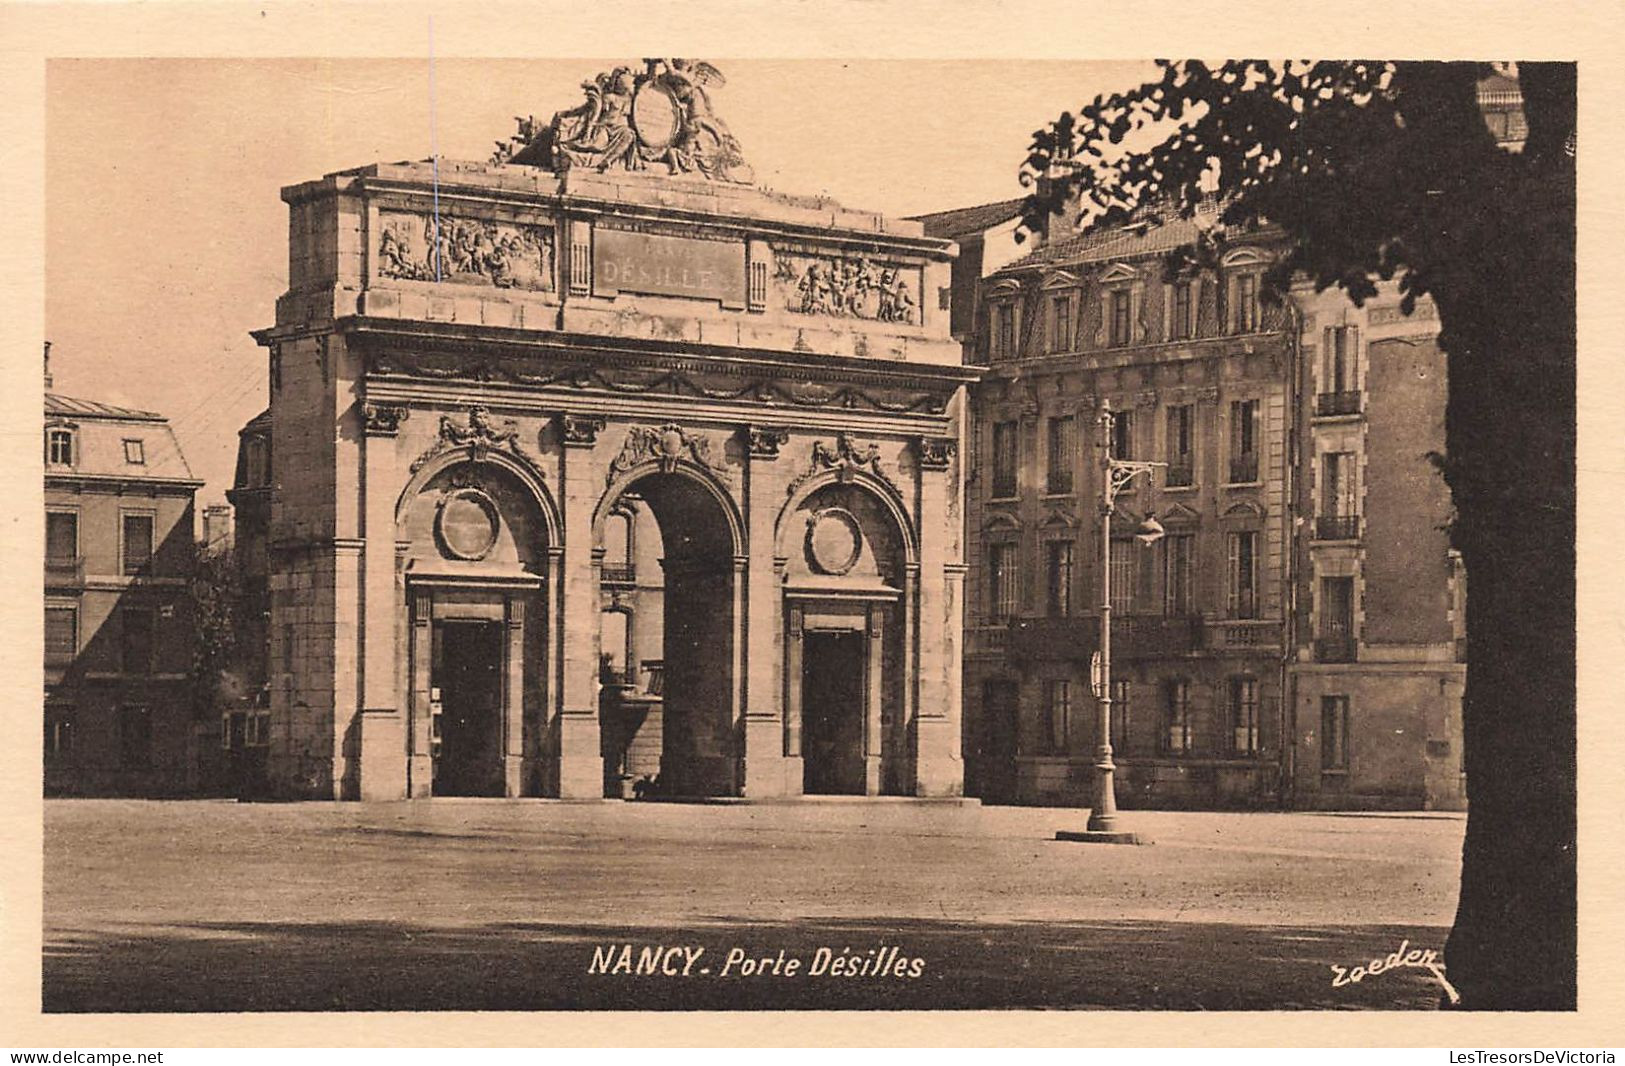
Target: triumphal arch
[[602, 471]]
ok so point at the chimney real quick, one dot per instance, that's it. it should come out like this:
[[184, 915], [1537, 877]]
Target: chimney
[[47, 366]]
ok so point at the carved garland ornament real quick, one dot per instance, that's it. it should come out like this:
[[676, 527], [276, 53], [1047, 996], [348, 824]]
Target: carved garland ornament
[[845, 459]]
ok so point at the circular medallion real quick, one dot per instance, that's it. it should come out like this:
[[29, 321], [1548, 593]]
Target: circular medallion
[[468, 524], [655, 116], [834, 541]]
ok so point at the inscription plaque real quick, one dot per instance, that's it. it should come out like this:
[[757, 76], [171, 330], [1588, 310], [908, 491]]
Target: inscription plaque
[[663, 265]]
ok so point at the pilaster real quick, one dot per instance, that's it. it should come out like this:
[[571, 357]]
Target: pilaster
[[767, 771], [383, 767], [580, 755]]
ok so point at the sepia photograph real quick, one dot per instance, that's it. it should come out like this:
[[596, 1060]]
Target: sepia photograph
[[612, 533]]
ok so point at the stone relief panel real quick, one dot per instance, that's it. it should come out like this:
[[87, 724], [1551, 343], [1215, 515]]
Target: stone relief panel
[[465, 251], [847, 287]]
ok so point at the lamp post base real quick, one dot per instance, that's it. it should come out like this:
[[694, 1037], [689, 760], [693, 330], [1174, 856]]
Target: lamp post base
[[1097, 836]]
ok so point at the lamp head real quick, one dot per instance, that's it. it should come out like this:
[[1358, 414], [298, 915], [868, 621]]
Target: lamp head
[[1149, 532]]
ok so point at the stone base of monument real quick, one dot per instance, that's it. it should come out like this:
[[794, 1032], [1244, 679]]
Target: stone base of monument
[[1085, 836]]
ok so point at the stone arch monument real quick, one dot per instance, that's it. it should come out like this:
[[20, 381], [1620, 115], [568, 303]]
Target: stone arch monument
[[477, 365]]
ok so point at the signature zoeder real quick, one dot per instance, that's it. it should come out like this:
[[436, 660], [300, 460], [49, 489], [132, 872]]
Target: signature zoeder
[[1426, 958]]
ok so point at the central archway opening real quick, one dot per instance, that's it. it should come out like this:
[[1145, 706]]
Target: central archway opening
[[667, 621]]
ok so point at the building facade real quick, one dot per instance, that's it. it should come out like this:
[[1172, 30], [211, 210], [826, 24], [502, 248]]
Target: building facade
[[119, 709], [1289, 641], [596, 466]]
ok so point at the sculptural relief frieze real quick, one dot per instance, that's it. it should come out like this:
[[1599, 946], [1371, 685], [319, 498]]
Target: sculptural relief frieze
[[847, 287], [466, 251], [659, 119]]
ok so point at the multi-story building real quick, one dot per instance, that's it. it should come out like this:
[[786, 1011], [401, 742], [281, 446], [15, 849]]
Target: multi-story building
[[1196, 372], [119, 713], [986, 236]]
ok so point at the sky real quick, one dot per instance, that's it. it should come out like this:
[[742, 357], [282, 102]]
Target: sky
[[166, 239]]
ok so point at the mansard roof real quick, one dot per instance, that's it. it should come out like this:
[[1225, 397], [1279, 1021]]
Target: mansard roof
[[966, 221], [68, 407], [1150, 232], [100, 432]]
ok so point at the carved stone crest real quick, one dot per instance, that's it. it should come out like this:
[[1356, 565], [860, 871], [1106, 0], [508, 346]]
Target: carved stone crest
[[478, 432], [579, 431], [845, 459], [668, 445], [660, 118]]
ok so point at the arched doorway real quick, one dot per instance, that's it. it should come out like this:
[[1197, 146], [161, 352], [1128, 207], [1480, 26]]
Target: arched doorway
[[477, 531], [667, 714], [847, 559]]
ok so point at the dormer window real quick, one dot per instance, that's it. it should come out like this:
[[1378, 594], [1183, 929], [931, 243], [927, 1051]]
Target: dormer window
[[1244, 318], [134, 452], [59, 446], [1004, 330], [1060, 324]]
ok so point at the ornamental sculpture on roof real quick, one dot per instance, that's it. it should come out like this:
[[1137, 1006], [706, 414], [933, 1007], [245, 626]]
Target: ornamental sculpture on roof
[[659, 119]]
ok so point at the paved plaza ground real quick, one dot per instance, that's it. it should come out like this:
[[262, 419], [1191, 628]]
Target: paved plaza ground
[[509, 905]]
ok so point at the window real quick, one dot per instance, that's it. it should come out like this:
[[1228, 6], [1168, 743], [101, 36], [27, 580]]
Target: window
[[61, 635], [1243, 441], [1336, 639], [59, 446], [1338, 519], [1125, 574], [1183, 325], [1176, 717], [1004, 459], [287, 648], [137, 546], [1062, 447], [1002, 578], [1244, 715], [1058, 705], [1060, 339], [135, 636], [1121, 709], [1122, 440], [1058, 555], [1244, 317], [1178, 568], [134, 737], [1120, 322], [58, 733], [259, 729], [1004, 330], [257, 470], [134, 452], [1337, 361], [61, 537], [1334, 733], [1181, 464], [1243, 574]]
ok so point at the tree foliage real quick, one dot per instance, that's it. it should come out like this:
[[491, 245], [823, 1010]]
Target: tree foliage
[[1379, 171], [218, 600]]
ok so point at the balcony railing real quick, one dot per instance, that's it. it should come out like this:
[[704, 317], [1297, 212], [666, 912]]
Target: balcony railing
[[1180, 475], [1243, 469], [1337, 527], [1076, 638], [1245, 634], [1330, 404], [65, 570], [619, 574], [1334, 650]]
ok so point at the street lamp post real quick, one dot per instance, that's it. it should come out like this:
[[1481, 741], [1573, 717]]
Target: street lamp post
[[1115, 476]]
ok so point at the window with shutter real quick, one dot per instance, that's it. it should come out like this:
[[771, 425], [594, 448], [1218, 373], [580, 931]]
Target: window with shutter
[[1243, 577]]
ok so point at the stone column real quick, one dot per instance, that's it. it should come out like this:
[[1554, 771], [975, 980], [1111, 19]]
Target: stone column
[[513, 698], [792, 700], [383, 726], [545, 751], [420, 762], [581, 759], [767, 771], [874, 696], [938, 770]]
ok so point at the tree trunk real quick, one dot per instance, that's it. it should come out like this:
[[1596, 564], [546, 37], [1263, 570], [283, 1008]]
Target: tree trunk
[[1509, 332]]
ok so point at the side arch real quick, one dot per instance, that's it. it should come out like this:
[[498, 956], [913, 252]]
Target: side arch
[[706, 480], [523, 472]]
